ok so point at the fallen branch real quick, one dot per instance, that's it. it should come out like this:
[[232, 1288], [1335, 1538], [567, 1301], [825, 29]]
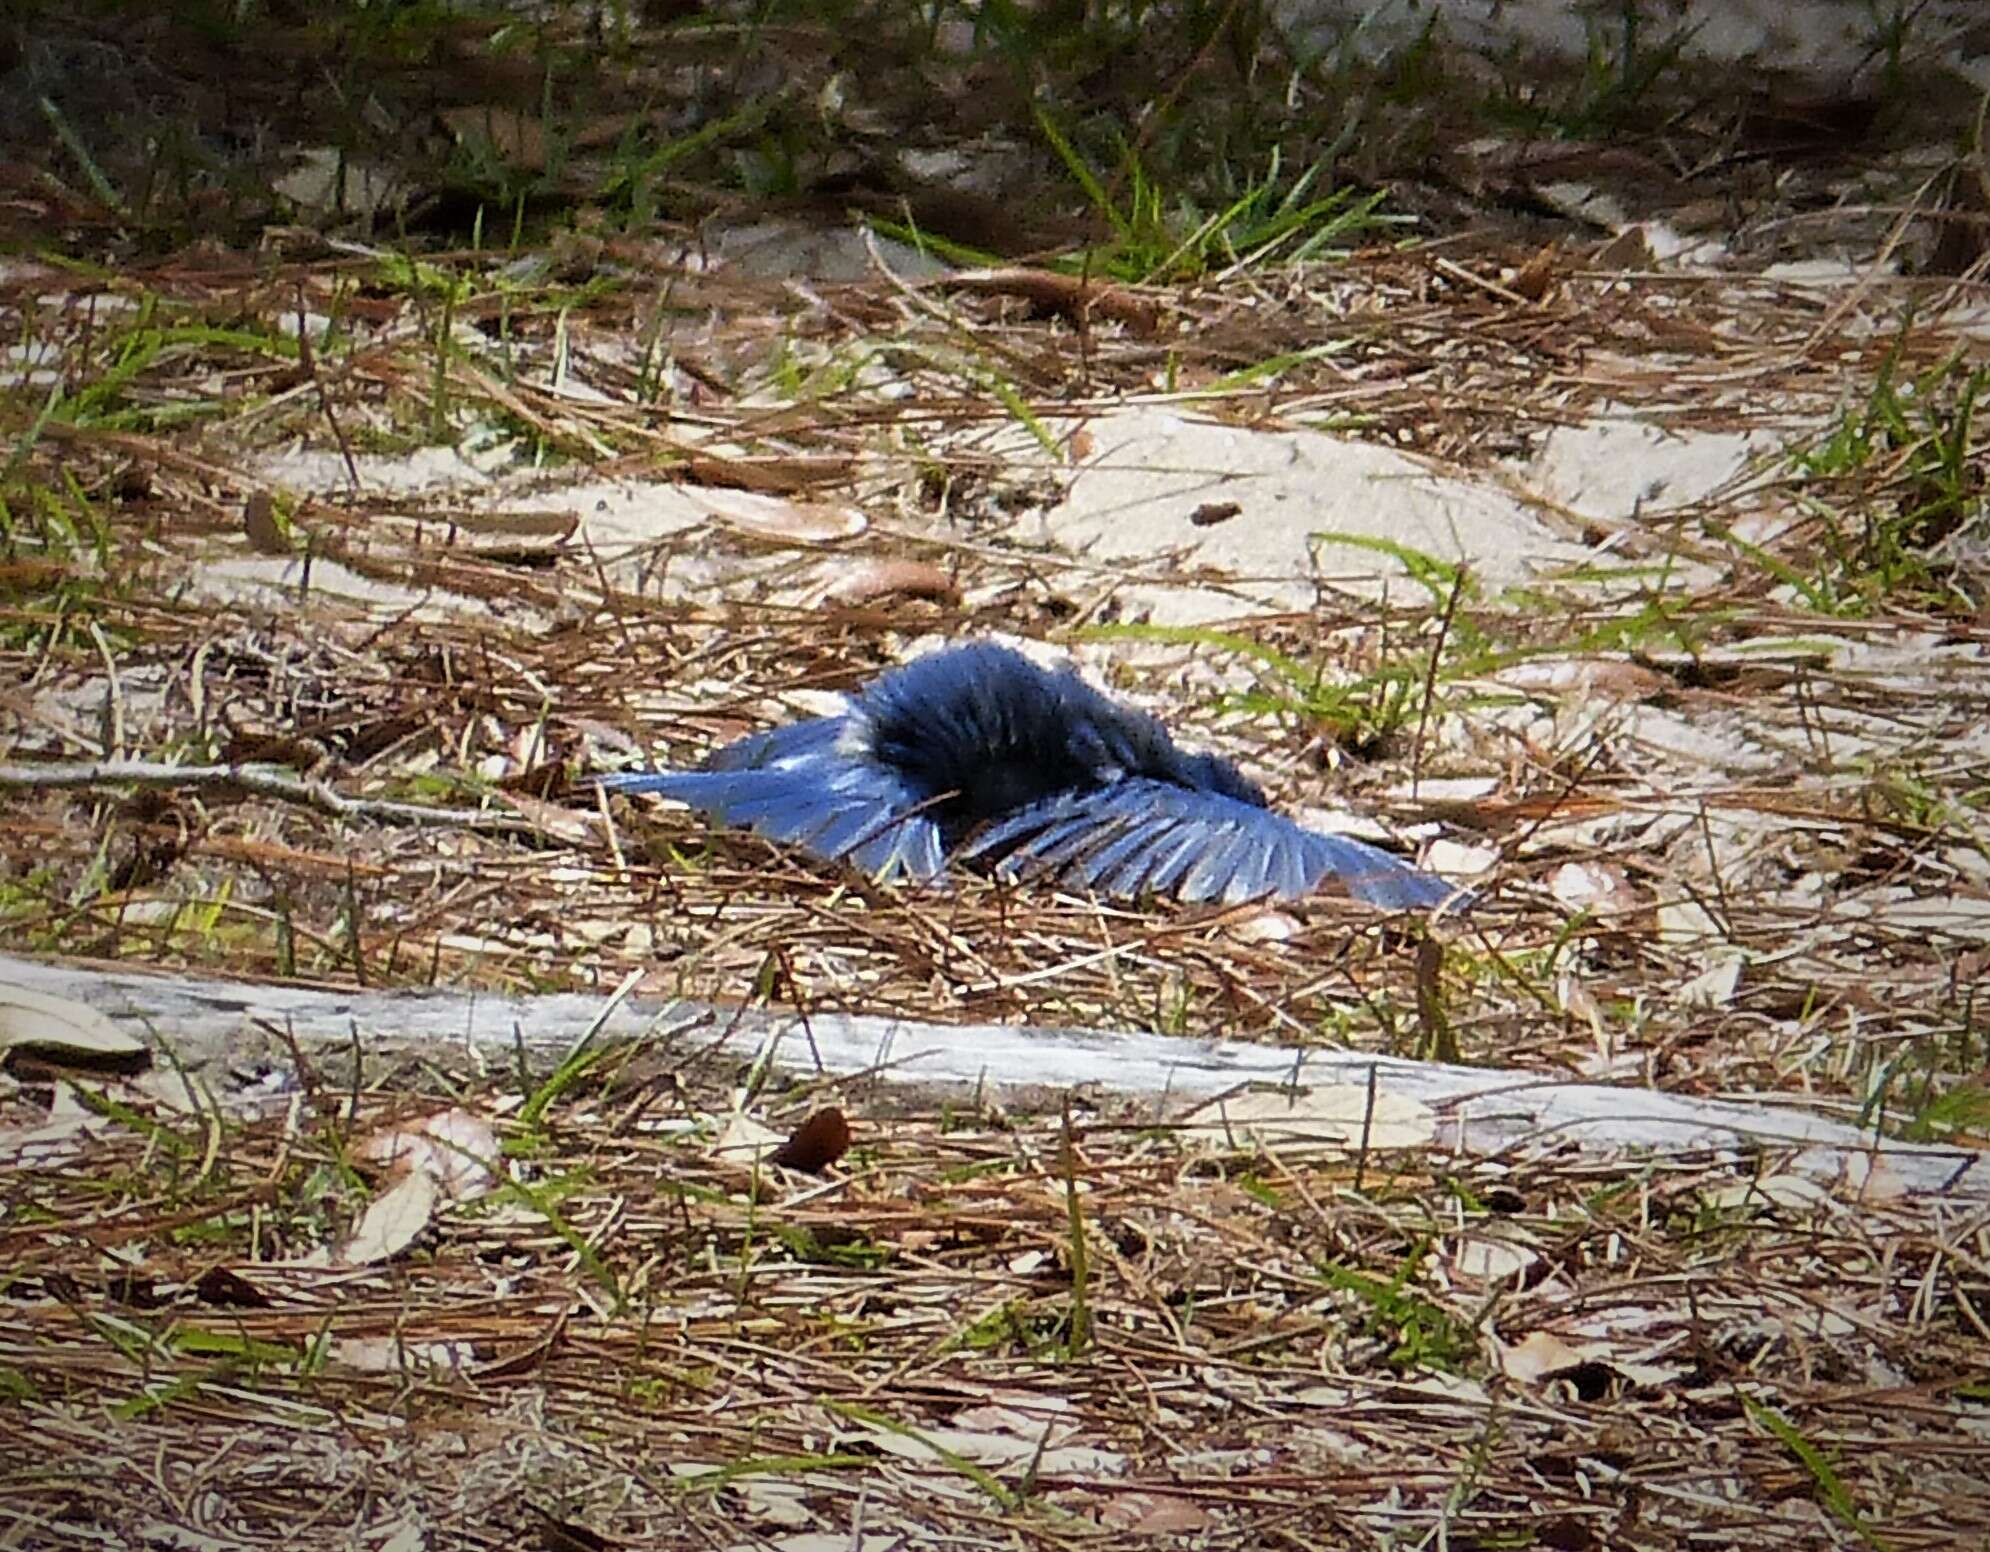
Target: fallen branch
[[1481, 1112], [264, 781]]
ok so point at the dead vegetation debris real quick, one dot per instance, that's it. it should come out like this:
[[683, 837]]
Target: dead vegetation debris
[[329, 565], [597, 1308], [1734, 854]]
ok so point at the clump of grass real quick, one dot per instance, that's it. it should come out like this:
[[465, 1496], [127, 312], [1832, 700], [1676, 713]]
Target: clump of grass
[[1896, 480], [1413, 1332], [1162, 235], [1361, 711], [1368, 710]]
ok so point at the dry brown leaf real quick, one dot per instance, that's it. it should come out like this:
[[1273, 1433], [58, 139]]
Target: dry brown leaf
[[454, 1148], [260, 524], [1607, 679], [1078, 298], [874, 580], [744, 1140], [1685, 923], [1486, 1258], [1152, 1514], [1629, 249], [1864, 1178], [58, 1136], [227, 1289], [574, 827], [1576, 1000], [816, 1144], [1210, 513], [775, 1500], [168, 1087], [407, 1536], [394, 1355], [1715, 986], [1598, 887], [514, 138], [1541, 1355], [1008, 1429], [1266, 926], [1533, 279]]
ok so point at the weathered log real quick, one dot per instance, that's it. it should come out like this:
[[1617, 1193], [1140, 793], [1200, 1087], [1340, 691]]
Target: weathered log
[[1480, 1112]]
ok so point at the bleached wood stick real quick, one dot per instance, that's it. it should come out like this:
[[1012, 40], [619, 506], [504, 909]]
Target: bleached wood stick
[[1481, 1111]]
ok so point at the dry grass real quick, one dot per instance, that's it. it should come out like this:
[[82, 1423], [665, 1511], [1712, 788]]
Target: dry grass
[[1730, 784], [1269, 1354], [1791, 783], [1262, 1351]]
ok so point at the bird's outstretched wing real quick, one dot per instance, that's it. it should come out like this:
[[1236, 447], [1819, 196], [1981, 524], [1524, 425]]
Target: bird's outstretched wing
[[1142, 836], [798, 785]]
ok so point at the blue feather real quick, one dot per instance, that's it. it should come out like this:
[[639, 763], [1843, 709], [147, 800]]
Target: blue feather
[[977, 753]]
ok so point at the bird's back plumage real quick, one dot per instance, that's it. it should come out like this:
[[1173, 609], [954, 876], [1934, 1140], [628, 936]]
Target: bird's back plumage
[[977, 752]]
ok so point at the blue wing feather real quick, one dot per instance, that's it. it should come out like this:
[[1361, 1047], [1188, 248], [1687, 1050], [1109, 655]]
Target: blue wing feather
[[1247, 866], [1285, 870], [1167, 864], [794, 743], [1204, 877], [1132, 875], [1142, 836], [1103, 866], [912, 844], [800, 785]]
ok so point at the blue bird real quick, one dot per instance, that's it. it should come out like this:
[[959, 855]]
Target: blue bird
[[975, 752]]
